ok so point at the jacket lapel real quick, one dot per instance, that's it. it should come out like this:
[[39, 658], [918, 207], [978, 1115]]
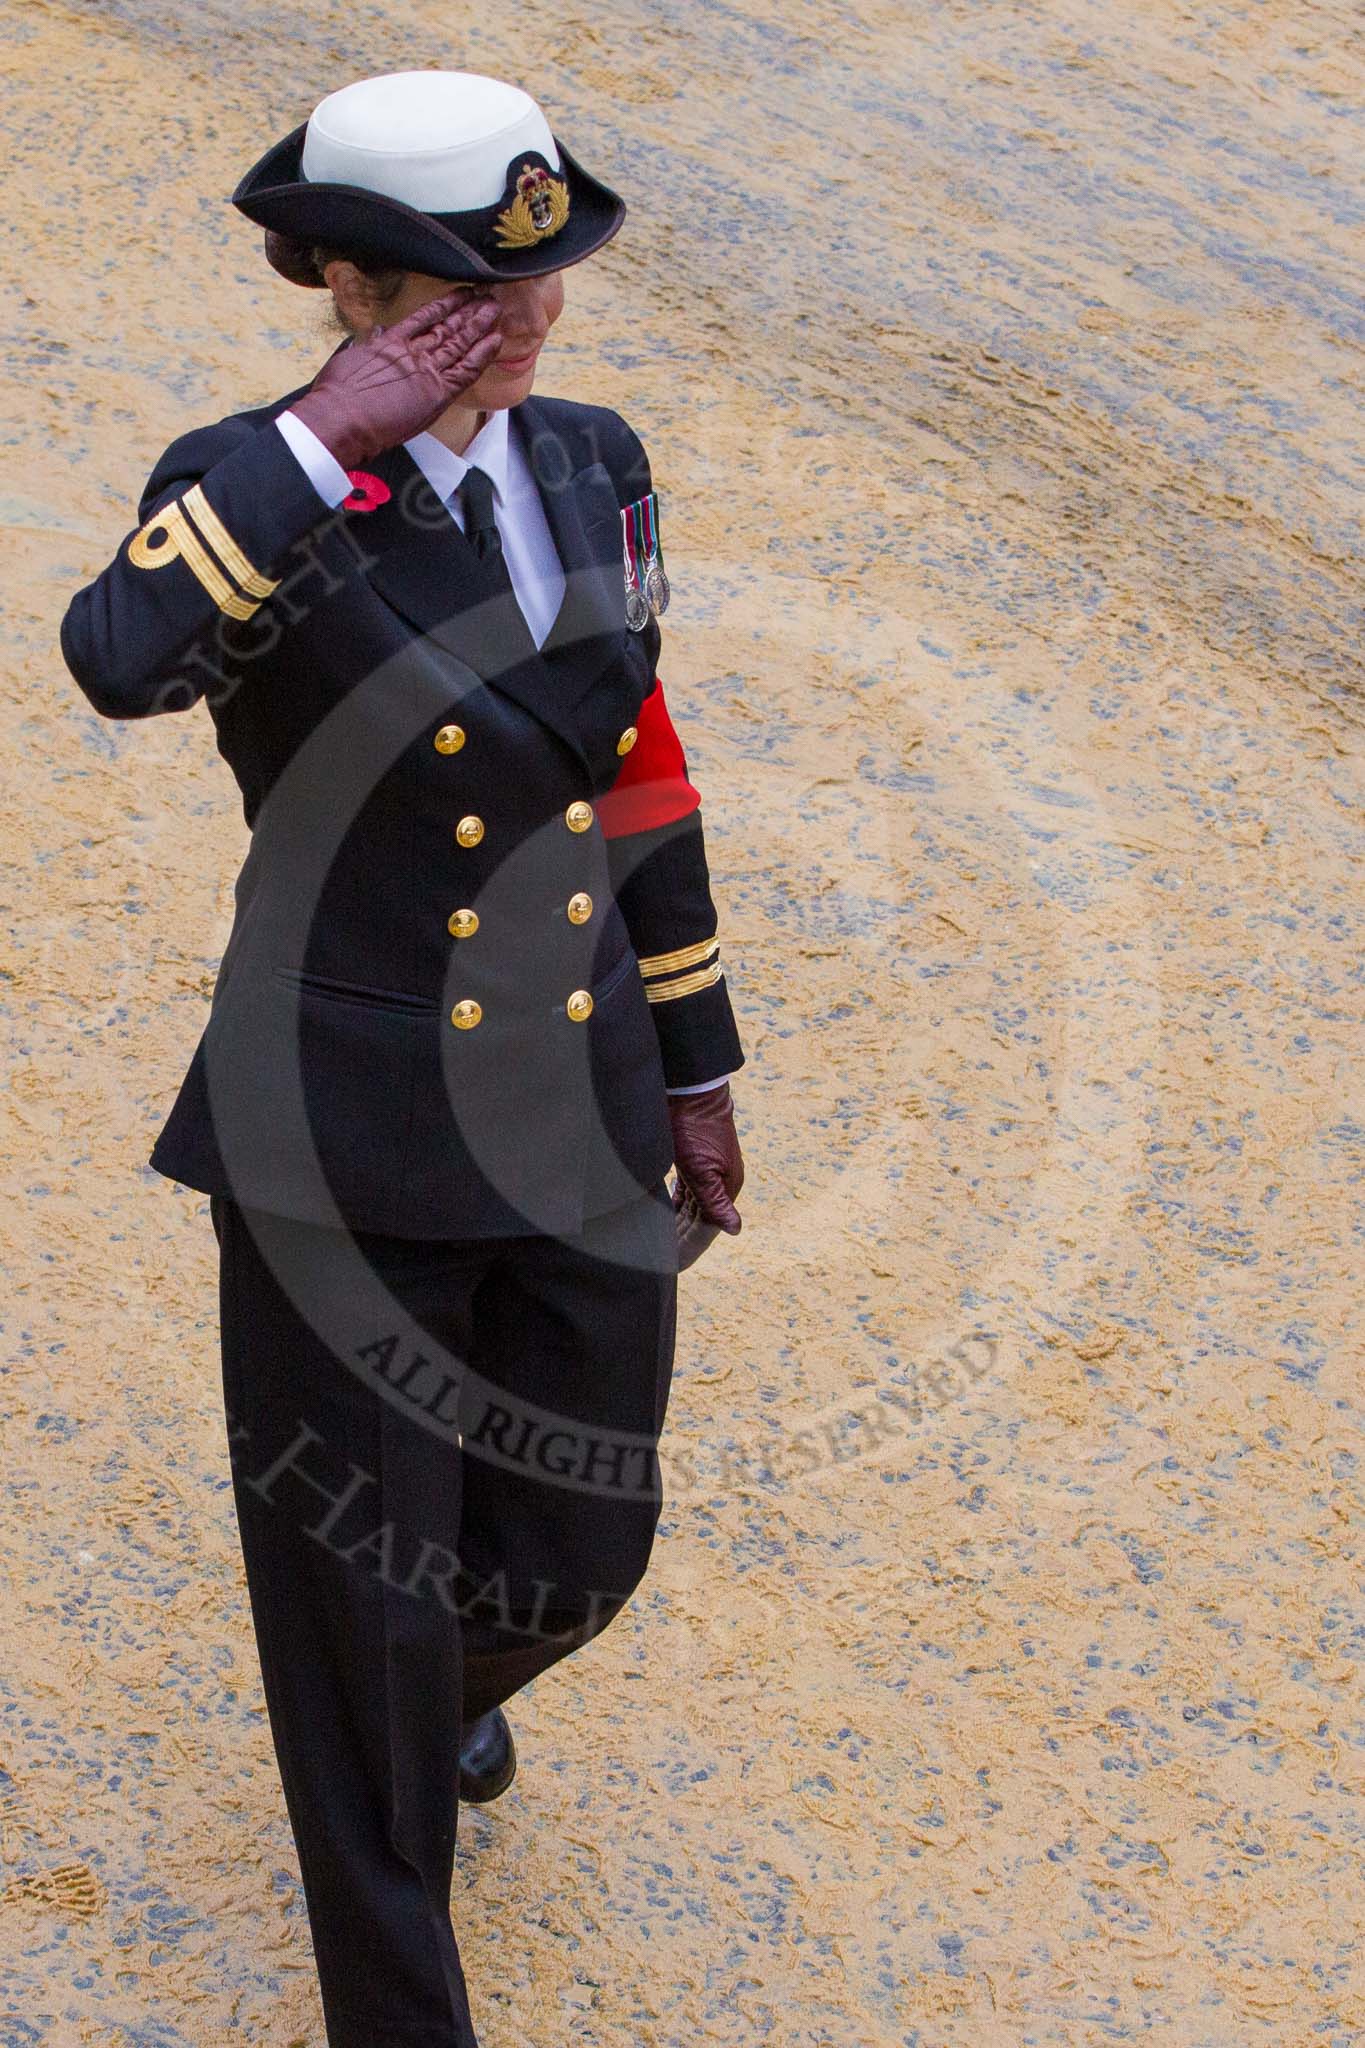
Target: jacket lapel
[[422, 566], [585, 523]]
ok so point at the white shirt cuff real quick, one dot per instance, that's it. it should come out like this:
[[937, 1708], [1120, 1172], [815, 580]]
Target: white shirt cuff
[[324, 472], [699, 1087]]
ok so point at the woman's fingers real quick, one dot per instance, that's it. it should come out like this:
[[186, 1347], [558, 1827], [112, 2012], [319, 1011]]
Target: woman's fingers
[[458, 376], [450, 339], [447, 343], [480, 312], [459, 348], [468, 325], [452, 346]]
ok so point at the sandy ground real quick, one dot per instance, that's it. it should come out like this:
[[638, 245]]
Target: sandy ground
[[997, 1679]]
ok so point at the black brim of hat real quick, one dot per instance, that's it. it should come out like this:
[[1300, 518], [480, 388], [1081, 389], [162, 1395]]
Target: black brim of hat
[[275, 194]]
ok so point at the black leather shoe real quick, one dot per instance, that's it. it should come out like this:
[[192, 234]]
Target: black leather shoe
[[488, 1758]]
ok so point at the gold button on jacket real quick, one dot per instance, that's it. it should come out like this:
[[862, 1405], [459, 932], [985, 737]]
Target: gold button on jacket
[[465, 1015], [469, 831], [579, 1005], [449, 739], [463, 923], [579, 908], [627, 739], [578, 817]]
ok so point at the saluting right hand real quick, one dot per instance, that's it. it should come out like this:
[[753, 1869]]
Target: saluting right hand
[[379, 392]]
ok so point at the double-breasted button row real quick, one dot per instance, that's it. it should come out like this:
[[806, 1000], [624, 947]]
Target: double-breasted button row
[[463, 923], [469, 831], [468, 1013], [451, 738]]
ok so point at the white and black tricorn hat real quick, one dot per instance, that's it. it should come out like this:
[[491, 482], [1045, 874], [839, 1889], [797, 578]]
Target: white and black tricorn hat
[[444, 172]]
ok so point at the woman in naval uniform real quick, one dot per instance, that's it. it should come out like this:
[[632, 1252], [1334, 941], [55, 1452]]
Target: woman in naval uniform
[[471, 1008]]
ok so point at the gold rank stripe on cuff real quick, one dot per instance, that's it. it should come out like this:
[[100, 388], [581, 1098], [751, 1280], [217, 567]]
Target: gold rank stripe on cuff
[[224, 546], [686, 985], [684, 956], [181, 540], [675, 981]]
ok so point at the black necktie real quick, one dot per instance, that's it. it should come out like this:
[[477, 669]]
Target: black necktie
[[480, 527], [494, 623]]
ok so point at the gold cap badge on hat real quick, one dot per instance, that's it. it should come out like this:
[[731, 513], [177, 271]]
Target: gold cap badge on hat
[[539, 210]]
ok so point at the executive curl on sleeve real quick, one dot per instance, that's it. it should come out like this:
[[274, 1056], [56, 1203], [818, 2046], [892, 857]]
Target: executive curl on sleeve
[[219, 512]]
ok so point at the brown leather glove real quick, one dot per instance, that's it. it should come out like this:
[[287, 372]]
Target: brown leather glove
[[695, 1234], [373, 394], [710, 1169]]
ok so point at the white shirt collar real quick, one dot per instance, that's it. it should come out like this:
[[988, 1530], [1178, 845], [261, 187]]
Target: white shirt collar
[[445, 471]]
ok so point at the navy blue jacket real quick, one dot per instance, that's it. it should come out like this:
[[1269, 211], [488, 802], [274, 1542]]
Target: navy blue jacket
[[419, 1025]]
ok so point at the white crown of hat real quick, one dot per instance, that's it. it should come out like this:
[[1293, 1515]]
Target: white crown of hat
[[440, 141]]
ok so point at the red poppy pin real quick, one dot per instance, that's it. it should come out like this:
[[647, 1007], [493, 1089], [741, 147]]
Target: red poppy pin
[[369, 494]]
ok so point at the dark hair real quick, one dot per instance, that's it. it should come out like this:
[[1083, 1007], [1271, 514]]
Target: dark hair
[[385, 279], [304, 262]]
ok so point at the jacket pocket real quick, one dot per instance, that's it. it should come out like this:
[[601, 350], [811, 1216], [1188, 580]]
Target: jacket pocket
[[357, 992], [614, 976], [602, 990]]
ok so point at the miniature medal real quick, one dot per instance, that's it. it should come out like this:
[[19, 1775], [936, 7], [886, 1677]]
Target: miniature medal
[[656, 582], [637, 607]]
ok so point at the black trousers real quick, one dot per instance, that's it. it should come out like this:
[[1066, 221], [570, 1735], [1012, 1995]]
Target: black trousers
[[443, 1465]]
